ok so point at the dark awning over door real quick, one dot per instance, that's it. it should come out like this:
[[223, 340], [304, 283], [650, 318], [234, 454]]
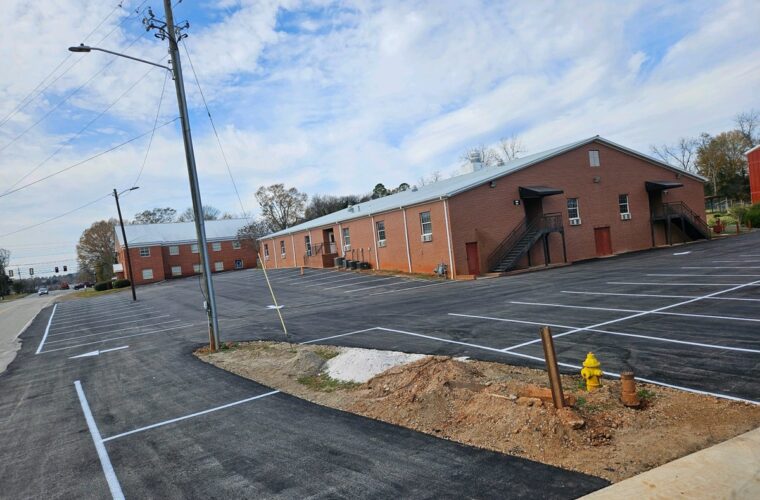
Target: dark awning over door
[[538, 191], [653, 186]]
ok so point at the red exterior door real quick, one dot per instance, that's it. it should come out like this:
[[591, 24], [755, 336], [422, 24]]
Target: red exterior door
[[603, 241], [473, 259]]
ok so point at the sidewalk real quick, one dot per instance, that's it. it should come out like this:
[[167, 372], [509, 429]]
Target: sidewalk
[[727, 470], [14, 316]]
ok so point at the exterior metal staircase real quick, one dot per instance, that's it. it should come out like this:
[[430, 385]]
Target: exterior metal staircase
[[687, 219], [521, 240]]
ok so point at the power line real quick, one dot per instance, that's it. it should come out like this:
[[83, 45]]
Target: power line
[[56, 217], [81, 131], [155, 122], [213, 126], [31, 95], [88, 159], [40, 263], [62, 101]]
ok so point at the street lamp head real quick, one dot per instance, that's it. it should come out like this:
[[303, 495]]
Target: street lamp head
[[134, 187], [80, 48]]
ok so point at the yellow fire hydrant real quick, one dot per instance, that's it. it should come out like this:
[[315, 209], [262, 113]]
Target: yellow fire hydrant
[[592, 372]]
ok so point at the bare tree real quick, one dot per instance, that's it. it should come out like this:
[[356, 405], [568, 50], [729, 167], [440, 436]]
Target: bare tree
[[326, 204], [96, 250], [435, 176], [281, 207], [682, 154], [511, 148], [748, 124], [209, 213], [155, 216], [251, 232]]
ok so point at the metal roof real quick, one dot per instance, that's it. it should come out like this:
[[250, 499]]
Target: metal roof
[[179, 232], [455, 185], [751, 150]]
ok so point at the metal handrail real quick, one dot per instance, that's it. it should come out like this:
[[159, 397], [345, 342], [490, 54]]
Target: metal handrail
[[543, 223], [681, 209]]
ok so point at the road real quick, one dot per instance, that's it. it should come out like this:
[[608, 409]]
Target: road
[[14, 315]]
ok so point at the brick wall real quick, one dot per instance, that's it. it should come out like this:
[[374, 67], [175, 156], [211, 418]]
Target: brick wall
[[753, 160]]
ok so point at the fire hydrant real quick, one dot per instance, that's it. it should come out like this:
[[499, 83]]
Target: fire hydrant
[[592, 372]]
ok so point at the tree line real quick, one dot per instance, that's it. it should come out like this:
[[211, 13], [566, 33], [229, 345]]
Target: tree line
[[719, 158]]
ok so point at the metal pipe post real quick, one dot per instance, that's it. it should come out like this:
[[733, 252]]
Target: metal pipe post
[[551, 366]]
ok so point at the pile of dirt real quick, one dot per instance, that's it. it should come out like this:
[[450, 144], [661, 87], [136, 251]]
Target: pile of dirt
[[506, 409]]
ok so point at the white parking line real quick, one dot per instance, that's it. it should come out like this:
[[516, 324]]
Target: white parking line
[[70, 329], [352, 284], [106, 333], [411, 288], [117, 338], [105, 318], [196, 414], [670, 284], [621, 334], [333, 279], [659, 296], [105, 462], [626, 318], [709, 275], [339, 335], [720, 267], [688, 315], [354, 290], [47, 329]]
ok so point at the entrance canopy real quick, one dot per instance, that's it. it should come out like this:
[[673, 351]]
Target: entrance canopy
[[654, 186], [529, 192]]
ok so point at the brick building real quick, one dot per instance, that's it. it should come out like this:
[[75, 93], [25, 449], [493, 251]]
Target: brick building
[[583, 200], [163, 251], [753, 163]]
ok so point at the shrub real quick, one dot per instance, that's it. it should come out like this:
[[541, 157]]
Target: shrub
[[739, 213], [102, 285], [753, 215], [121, 283]]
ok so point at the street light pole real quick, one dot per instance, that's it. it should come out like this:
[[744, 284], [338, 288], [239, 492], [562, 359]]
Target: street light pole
[[126, 244], [195, 192]]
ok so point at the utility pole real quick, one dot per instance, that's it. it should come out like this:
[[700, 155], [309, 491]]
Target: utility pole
[[126, 246], [174, 34]]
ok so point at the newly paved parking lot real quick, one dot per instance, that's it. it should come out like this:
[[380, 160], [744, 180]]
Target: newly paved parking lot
[[106, 394]]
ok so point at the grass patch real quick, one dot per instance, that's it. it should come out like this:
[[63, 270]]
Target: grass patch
[[90, 292], [325, 383], [645, 394], [325, 353], [15, 296]]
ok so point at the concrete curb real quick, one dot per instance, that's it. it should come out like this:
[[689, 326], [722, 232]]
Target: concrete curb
[[727, 470]]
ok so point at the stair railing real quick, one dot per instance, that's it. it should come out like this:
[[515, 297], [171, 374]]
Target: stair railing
[[681, 209], [544, 223]]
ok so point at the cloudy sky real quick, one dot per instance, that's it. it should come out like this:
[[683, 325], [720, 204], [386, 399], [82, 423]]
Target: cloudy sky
[[333, 97]]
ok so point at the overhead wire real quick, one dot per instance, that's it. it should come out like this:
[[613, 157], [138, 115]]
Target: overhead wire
[[7, 193], [153, 132], [65, 99], [26, 228], [81, 131], [31, 95]]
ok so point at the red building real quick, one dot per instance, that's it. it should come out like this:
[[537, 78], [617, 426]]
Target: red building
[[163, 251], [579, 201], [753, 163]]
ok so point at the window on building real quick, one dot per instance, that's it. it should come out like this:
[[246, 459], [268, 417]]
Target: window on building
[[623, 204], [197, 268], [218, 266], [194, 248], [236, 244], [144, 251], [266, 251], [238, 263], [307, 244], [216, 246], [426, 225], [176, 270], [174, 250], [593, 158], [282, 248], [572, 208], [147, 274], [380, 226], [346, 239]]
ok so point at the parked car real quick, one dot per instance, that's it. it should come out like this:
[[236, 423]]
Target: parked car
[[78, 286], [64, 286], [42, 291]]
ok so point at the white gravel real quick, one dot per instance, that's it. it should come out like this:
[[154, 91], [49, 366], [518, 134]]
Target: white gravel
[[354, 364]]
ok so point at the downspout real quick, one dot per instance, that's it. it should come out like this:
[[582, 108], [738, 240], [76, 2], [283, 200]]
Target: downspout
[[293, 243], [374, 238], [342, 244], [274, 250], [448, 235], [406, 236]]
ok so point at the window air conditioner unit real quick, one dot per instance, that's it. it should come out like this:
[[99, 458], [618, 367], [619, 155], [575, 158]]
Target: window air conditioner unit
[[346, 248], [625, 216], [575, 222], [427, 237], [381, 243]]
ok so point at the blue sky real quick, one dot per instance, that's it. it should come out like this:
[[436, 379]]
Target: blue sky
[[333, 97]]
